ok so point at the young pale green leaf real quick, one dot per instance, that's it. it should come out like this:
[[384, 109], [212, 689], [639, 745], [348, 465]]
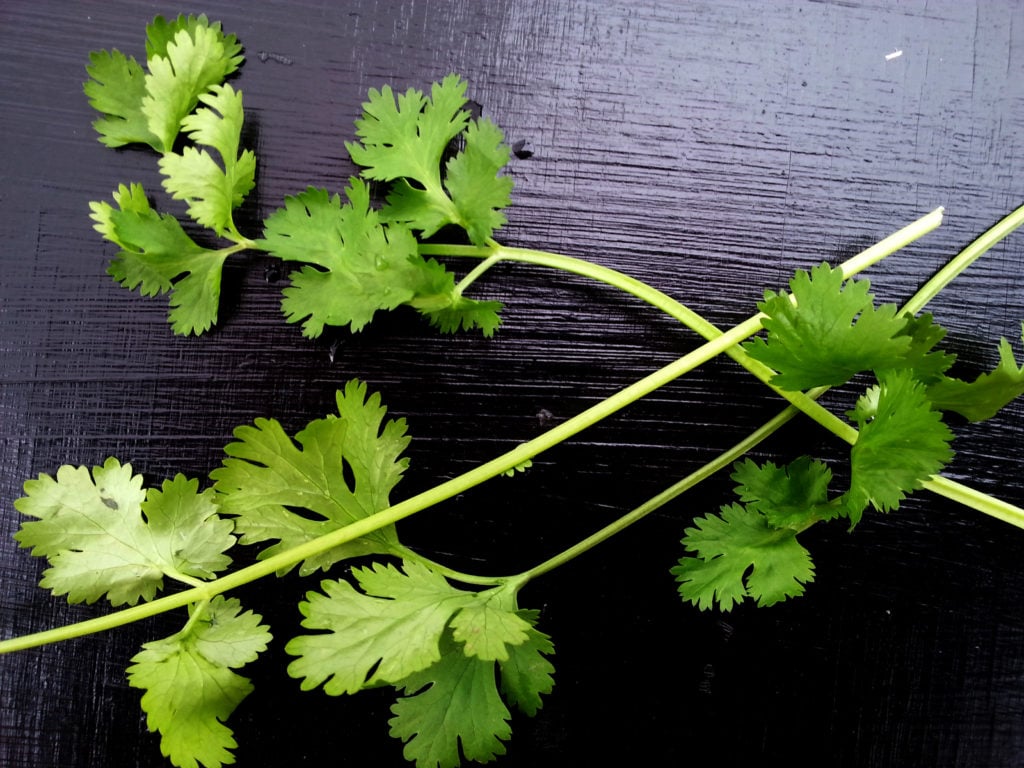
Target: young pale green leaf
[[739, 554], [902, 442], [342, 470], [157, 256], [116, 88], [404, 138], [452, 704], [212, 192], [182, 68], [103, 534], [984, 397], [393, 628], [190, 686], [793, 496], [832, 332]]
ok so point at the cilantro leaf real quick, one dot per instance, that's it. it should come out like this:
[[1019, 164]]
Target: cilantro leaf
[[902, 442], [475, 192], [472, 180], [982, 398], [342, 470], [393, 627], [190, 688], [403, 141], [405, 137], [739, 554], [928, 364], [182, 67], [449, 311], [489, 626], [103, 534], [116, 88], [157, 256], [211, 192], [359, 266], [185, 57], [526, 674], [453, 703], [161, 33], [833, 332], [439, 645], [793, 496]]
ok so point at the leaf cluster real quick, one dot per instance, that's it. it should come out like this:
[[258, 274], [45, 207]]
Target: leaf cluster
[[444, 649], [443, 168], [825, 332]]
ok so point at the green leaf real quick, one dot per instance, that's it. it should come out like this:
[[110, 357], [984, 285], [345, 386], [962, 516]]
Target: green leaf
[[157, 256], [160, 34], [475, 192], [739, 554], [984, 397], [182, 67], [832, 333], [190, 688], [472, 181], [452, 704], [449, 311], [489, 626], [928, 364], [902, 443], [212, 192], [116, 88], [342, 470], [185, 57], [405, 137], [394, 628], [103, 534], [794, 496], [526, 674], [357, 266]]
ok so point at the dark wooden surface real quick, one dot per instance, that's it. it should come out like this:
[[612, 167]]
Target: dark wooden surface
[[707, 147]]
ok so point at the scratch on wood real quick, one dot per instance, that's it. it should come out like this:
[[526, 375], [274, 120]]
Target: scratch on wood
[[266, 56]]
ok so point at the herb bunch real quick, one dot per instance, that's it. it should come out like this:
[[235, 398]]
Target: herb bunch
[[457, 648]]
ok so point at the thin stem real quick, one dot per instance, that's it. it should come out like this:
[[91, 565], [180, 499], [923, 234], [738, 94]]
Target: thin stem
[[476, 272], [466, 578], [655, 502], [964, 259]]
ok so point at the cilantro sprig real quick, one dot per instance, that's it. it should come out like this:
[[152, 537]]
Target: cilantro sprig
[[357, 260], [458, 650]]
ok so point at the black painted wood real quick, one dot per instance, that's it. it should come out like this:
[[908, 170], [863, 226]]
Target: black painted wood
[[707, 147]]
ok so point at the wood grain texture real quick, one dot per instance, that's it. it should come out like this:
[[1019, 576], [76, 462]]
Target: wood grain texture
[[706, 147]]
